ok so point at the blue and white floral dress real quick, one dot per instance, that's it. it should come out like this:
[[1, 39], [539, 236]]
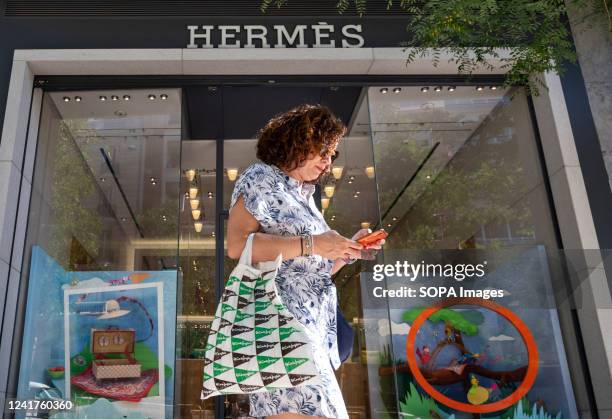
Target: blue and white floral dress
[[284, 206]]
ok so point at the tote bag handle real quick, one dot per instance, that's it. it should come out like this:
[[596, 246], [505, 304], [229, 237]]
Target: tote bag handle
[[246, 257]]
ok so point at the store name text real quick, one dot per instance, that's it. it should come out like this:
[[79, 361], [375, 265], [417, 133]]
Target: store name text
[[320, 35]]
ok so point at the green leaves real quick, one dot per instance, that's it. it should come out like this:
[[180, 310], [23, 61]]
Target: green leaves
[[470, 34]]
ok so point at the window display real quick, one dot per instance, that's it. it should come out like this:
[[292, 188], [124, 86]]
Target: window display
[[110, 335]]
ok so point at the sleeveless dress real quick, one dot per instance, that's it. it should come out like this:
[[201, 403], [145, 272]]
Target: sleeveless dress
[[284, 206]]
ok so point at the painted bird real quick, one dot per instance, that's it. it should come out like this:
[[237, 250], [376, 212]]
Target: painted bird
[[478, 394]]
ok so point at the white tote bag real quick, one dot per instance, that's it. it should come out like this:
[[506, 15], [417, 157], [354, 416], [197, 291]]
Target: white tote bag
[[255, 344]]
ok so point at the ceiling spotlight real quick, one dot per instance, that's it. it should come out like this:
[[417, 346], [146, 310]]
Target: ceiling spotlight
[[329, 190], [102, 98], [193, 192], [369, 171], [114, 98], [195, 203], [337, 172], [493, 87], [232, 174], [126, 97], [196, 214], [384, 90], [324, 203], [438, 89], [425, 89], [66, 99], [480, 88], [451, 88], [151, 97], [397, 89], [198, 226], [163, 96]]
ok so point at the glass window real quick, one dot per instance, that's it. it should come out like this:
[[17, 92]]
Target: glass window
[[101, 253]]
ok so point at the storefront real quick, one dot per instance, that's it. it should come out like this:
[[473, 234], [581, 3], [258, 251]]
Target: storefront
[[120, 149]]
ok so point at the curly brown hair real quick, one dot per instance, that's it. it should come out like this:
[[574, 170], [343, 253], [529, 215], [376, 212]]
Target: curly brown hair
[[291, 137]]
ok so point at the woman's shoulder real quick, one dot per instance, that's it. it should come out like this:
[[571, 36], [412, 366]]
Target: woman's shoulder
[[257, 171]]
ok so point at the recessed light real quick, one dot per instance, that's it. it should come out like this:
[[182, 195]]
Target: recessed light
[[151, 97], [163, 217], [271, 81], [114, 98], [479, 88], [102, 179], [126, 97], [66, 99], [425, 89], [120, 113], [493, 87], [334, 88], [394, 218], [451, 88], [397, 89], [212, 88], [210, 194], [163, 96], [102, 98], [438, 89], [428, 177], [384, 90], [78, 98], [356, 196], [123, 219], [388, 225]]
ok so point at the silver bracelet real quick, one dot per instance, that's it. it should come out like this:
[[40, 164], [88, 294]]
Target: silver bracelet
[[308, 245]]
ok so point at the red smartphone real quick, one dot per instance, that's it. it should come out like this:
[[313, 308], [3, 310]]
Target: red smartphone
[[373, 237]]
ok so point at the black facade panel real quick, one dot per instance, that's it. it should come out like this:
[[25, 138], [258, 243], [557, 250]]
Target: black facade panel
[[165, 8]]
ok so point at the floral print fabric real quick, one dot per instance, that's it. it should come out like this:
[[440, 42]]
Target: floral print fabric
[[284, 206]]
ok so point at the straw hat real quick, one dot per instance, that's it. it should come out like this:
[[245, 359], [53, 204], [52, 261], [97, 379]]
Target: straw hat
[[112, 310]]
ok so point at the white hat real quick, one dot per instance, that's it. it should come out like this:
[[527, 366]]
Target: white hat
[[112, 310]]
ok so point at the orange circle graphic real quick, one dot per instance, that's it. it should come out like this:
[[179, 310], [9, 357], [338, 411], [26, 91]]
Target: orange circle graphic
[[515, 397]]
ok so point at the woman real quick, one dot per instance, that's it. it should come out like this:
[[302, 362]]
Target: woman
[[274, 199]]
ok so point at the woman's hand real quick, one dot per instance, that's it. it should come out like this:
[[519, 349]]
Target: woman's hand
[[332, 245], [368, 252]]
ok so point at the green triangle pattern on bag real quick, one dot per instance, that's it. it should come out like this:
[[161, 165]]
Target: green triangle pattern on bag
[[255, 344]]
